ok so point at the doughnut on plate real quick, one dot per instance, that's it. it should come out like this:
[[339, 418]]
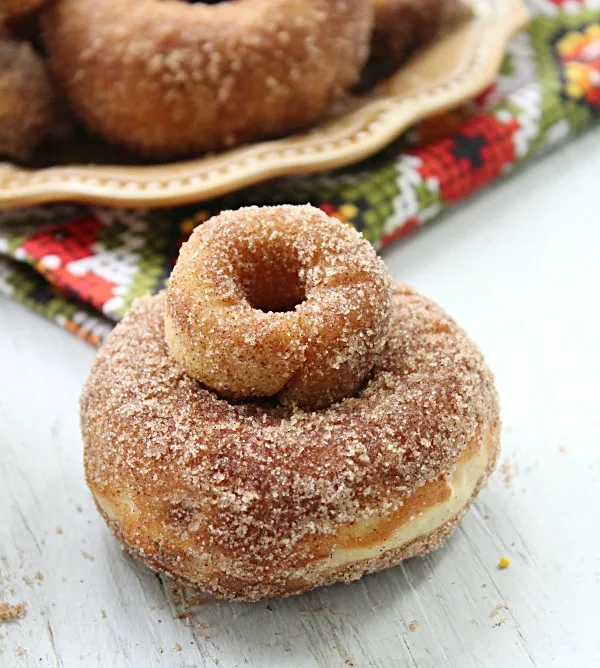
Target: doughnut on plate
[[453, 69]]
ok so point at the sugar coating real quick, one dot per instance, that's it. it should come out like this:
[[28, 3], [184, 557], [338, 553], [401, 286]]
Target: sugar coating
[[169, 78], [278, 300], [239, 499]]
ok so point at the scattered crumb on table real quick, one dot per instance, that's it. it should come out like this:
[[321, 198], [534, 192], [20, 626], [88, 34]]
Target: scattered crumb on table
[[199, 599], [78, 508], [87, 555], [12, 611], [508, 470], [201, 630], [496, 609], [177, 647], [103, 613], [20, 651], [58, 530], [414, 625], [160, 650], [36, 579], [503, 563], [184, 614], [563, 449], [483, 586]]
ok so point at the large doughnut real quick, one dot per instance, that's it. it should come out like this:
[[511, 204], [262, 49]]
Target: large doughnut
[[28, 103], [401, 26], [278, 300], [256, 499], [166, 78]]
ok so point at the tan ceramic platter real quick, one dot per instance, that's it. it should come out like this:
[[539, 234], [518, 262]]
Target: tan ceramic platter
[[455, 68]]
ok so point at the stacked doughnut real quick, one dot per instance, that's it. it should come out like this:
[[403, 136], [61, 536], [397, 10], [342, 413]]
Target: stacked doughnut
[[285, 416]]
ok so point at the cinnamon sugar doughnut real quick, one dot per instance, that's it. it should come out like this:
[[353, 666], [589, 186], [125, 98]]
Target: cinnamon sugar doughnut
[[257, 499], [28, 104], [278, 300], [401, 26], [167, 78]]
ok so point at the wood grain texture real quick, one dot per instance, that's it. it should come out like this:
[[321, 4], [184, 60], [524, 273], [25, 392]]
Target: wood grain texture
[[518, 267]]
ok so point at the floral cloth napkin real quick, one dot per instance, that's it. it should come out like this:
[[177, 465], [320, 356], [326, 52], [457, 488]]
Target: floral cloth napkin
[[82, 267]]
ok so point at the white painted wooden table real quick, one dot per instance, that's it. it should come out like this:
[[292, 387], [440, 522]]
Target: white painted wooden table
[[519, 267]]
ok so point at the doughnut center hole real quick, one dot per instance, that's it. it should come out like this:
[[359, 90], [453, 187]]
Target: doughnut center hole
[[271, 281]]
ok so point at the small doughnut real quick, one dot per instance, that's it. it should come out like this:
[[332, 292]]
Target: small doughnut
[[401, 26], [28, 104], [280, 300], [168, 78], [257, 499]]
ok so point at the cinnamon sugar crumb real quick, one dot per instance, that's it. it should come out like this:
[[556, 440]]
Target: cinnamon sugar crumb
[[414, 625], [201, 630], [177, 647], [87, 555], [198, 599], [36, 579], [496, 609], [12, 611], [508, 470]]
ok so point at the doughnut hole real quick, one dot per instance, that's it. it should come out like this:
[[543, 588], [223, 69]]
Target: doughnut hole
[[270, 278], [278, 301]]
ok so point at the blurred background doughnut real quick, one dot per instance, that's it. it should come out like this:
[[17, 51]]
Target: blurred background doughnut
[[402, 26], [28, 103], [172, 78]]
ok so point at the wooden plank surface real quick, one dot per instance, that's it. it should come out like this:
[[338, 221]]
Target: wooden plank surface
[[519, 268]]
